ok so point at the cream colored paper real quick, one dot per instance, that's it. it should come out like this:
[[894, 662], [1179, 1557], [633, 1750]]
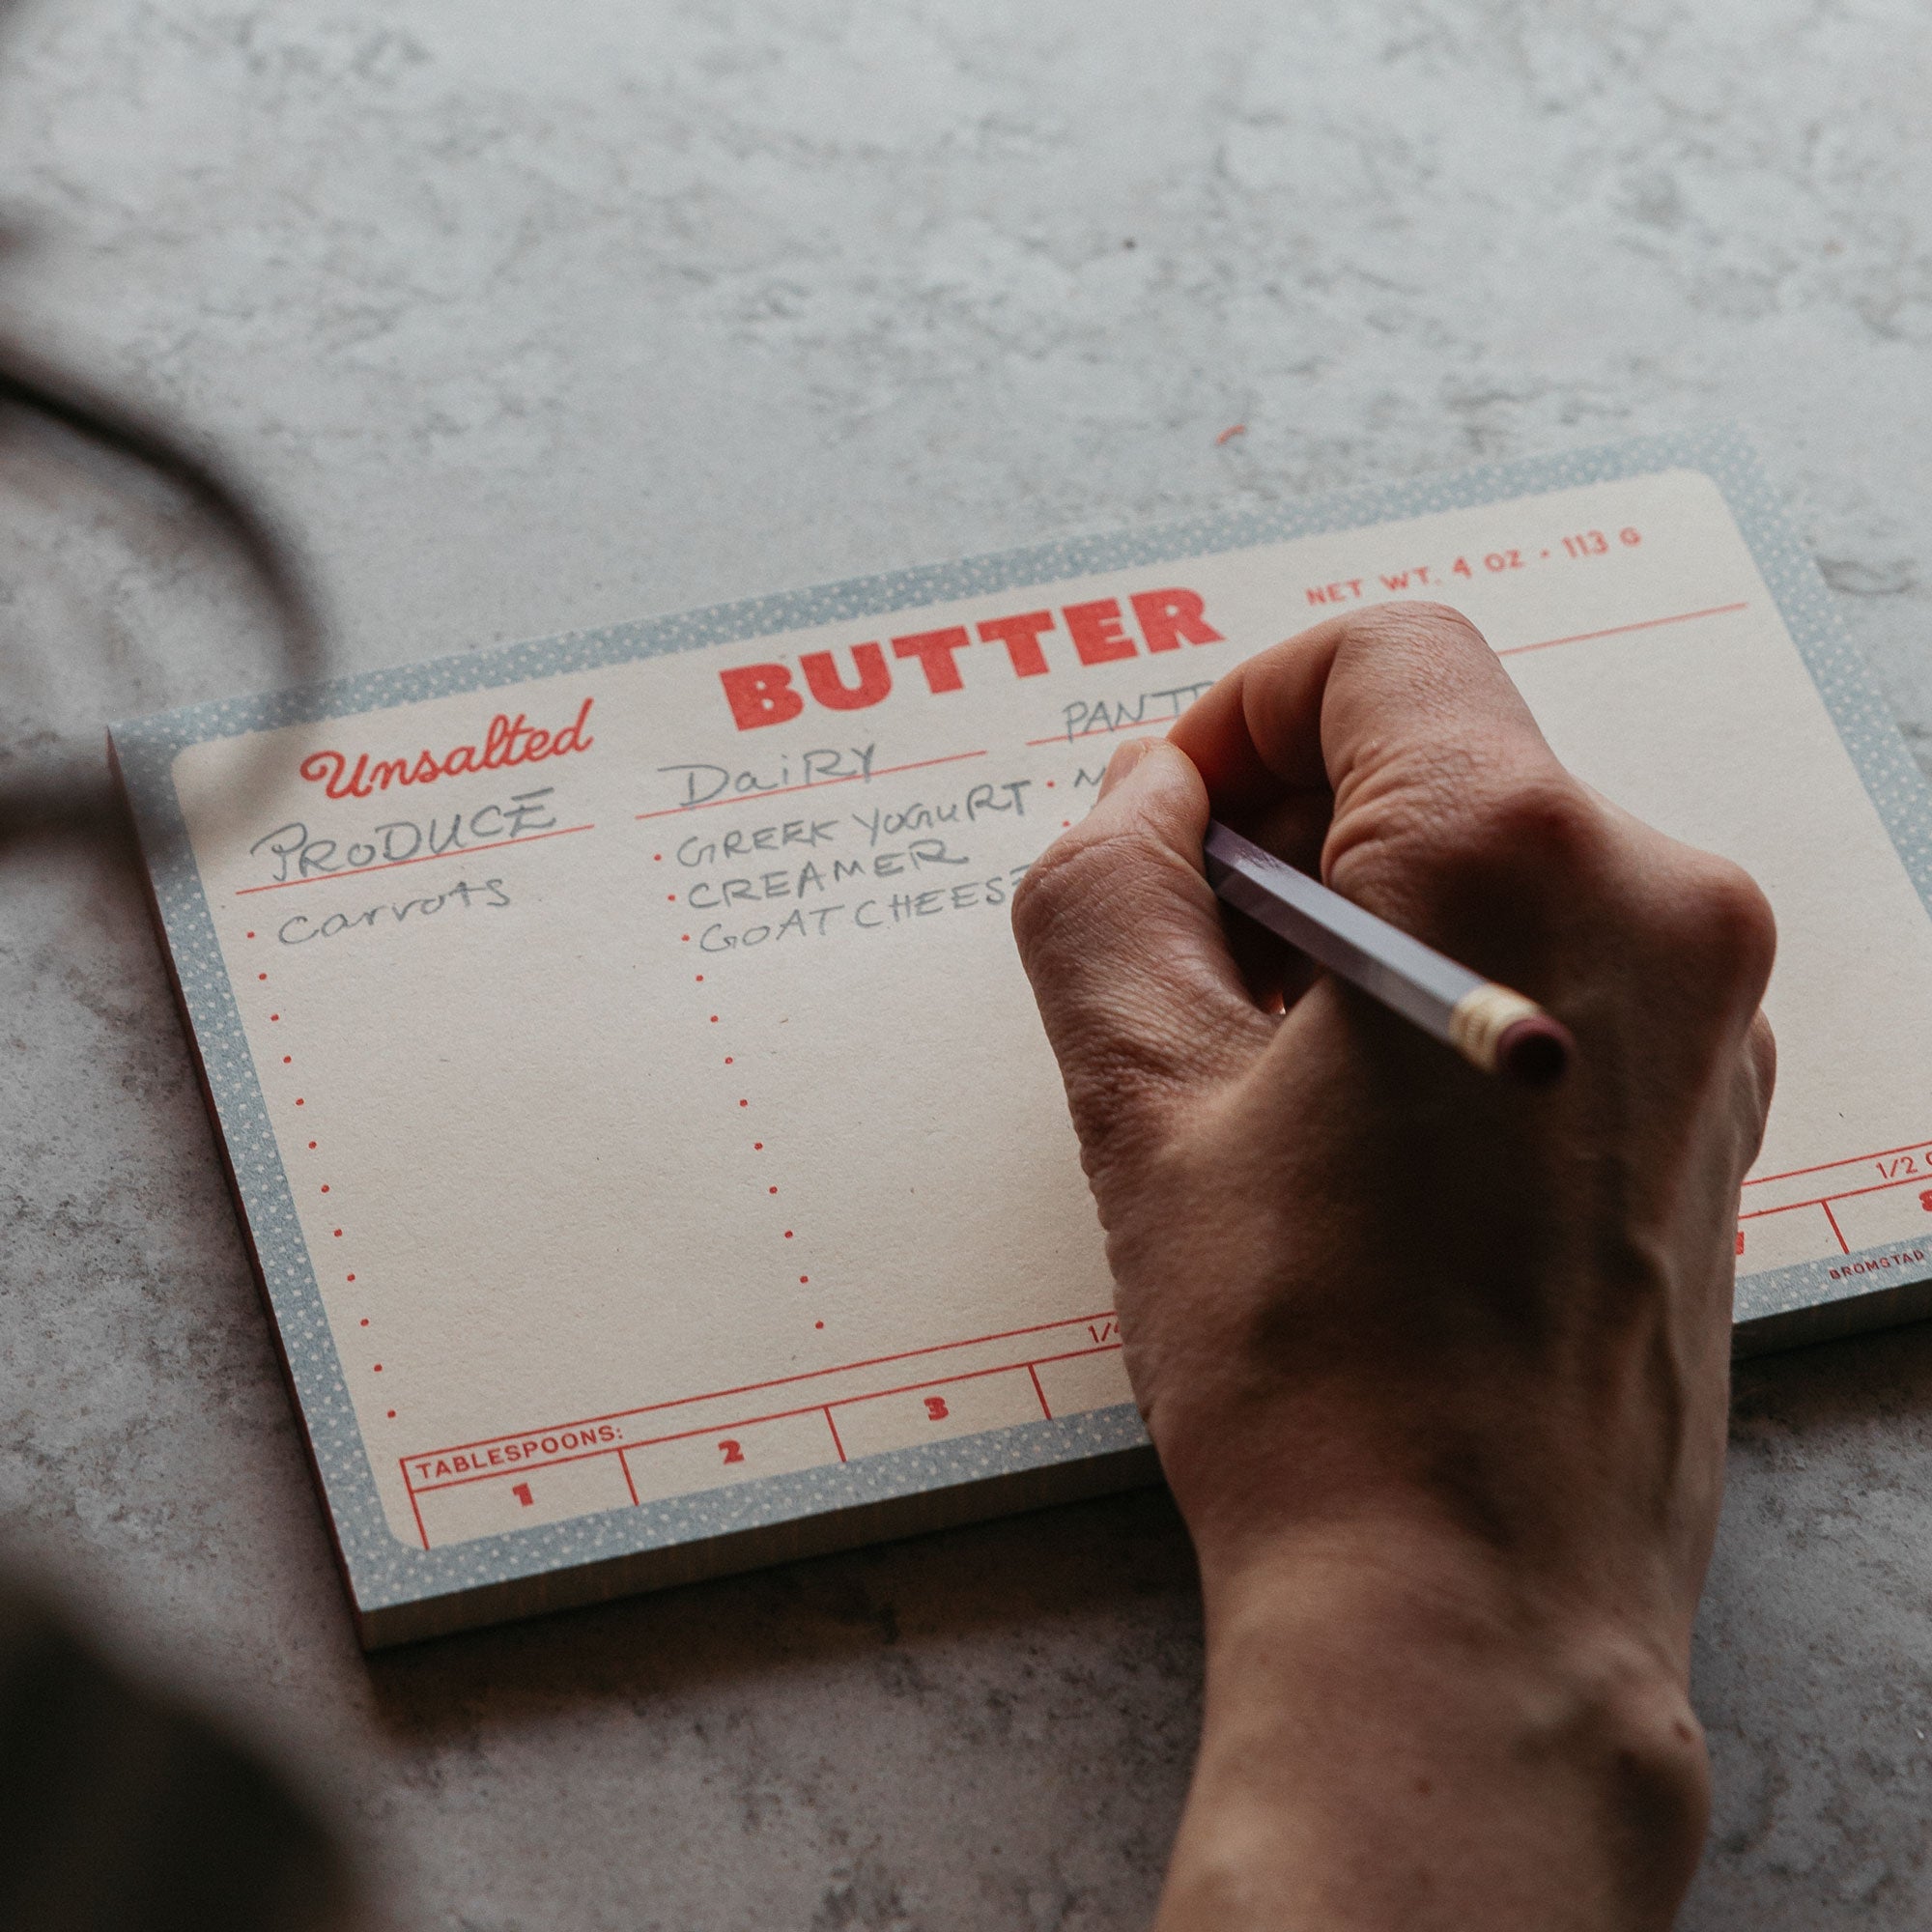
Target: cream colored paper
[[643, 1146]]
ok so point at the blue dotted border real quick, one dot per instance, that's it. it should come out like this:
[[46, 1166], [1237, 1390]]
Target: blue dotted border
[[384, 1573]]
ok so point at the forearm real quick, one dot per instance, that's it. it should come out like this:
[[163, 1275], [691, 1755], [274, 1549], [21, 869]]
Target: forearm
[[1391, 1742], [1436, 1368]]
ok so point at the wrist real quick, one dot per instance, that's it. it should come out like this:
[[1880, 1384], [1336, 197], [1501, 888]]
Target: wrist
[[1396, 1736]]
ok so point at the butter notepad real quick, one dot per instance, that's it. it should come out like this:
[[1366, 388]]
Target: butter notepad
[[650, 1155]]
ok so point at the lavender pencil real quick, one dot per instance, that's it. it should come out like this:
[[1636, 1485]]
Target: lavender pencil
[[1492, 1025]]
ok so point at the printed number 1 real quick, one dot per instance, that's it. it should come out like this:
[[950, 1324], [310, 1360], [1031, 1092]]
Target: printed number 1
[[731, 1452], [935, 1408], [522, 1493]]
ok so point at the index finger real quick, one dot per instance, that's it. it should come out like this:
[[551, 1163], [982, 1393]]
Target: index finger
[[1324, 712]]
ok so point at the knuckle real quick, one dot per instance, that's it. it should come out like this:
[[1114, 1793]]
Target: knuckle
[[1761, 1062], [1117, 1087], [1118, 1035], [1058, 887], [1542, 821], [1753, 1081], [1727, 931], [1420, 624], [1080, 881], [1470, 832], [1503, 866], [1438, 620]]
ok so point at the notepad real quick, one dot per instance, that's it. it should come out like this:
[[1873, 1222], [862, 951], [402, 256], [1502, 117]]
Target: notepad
[[648, 1147]]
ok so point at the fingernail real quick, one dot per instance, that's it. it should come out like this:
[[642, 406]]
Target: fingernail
[[1123, 762]]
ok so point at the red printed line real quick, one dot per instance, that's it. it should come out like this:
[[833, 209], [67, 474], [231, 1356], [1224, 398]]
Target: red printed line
[[1080, 1354], [711, 1429], [1825, 1201], [1623, 629], [814, 784], [616, 1449], [1850, 1161], [754, 1388], [1099, 731], [1514, 651], [423, 859], [676, 1436], [1844, 1246], [715, 1429], [741, 1423], [935, 1382], [709, 1432]]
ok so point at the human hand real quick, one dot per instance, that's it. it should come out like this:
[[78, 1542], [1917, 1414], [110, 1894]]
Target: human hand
[[1436, 1368]]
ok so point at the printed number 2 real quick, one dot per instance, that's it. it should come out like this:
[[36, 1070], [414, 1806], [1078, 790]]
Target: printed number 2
[[935, 1409], [731, 1452], [522, 1493]]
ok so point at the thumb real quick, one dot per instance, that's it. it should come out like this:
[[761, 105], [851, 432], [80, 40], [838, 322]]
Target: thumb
[[1122, 938]]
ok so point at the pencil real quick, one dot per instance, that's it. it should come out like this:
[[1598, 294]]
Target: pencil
[[1493, 1027]]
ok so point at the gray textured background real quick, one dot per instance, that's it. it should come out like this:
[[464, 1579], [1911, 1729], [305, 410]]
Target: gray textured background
[[527, 324]]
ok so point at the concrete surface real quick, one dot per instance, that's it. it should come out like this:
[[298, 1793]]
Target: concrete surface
[[531, 318]]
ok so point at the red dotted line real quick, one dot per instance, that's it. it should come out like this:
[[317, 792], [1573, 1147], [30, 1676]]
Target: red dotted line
[[315, 1147], [744, 1099]]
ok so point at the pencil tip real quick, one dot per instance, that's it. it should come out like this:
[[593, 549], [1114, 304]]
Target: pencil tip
[[1534, 1052]]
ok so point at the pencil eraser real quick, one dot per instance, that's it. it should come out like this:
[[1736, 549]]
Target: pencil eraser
[[1534, 1051]]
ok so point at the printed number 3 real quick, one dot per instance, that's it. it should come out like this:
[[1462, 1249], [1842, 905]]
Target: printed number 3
[[935, 1408], [731, 1452]]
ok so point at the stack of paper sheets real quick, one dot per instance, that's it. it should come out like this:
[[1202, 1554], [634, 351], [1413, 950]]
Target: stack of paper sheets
[[650, 1152]]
